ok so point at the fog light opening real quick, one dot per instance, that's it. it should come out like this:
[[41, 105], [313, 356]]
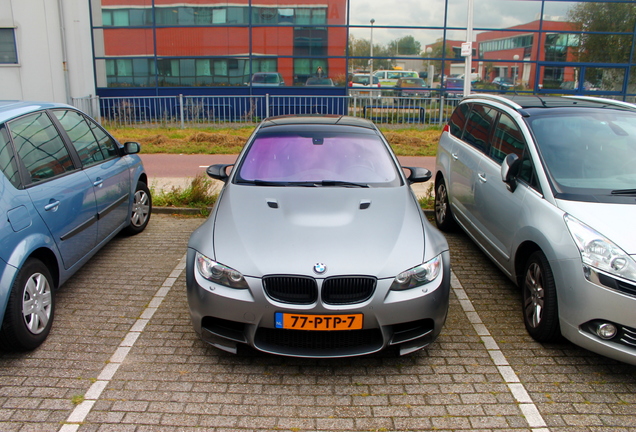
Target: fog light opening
[[606, 331]]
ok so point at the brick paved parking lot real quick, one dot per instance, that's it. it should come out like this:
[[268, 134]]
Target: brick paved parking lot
[[122, 356]]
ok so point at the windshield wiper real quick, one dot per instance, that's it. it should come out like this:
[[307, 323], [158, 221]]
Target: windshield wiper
[[281, 183], [342, 183], [624, 192], [306, 183]]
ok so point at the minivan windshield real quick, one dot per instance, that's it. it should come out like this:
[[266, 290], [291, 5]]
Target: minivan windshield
[[587, 150], [318, 158]]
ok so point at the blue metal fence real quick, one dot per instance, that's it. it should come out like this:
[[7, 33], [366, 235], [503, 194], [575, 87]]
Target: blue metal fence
[[199, 111]]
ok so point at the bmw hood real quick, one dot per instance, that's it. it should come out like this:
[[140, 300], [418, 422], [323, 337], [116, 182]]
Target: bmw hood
[[290, 230], [614, 221]]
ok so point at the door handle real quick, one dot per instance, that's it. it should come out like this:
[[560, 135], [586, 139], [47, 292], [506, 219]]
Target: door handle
[[98, 182], [482, 177], [52, 205], [455, 156]]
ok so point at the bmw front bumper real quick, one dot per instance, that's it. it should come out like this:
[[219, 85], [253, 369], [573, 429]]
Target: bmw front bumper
[[226, 317]]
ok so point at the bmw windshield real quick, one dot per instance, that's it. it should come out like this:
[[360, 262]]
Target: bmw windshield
[[318, 158], [590, 154]]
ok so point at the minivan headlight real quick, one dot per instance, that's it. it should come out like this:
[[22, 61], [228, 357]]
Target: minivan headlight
[[419, 275], [599, 252], [218, 273]]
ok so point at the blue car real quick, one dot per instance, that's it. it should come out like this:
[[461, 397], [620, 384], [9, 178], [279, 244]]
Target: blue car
[[67, 187]]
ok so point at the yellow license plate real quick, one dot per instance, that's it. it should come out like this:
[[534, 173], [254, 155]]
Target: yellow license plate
[[318, 322]]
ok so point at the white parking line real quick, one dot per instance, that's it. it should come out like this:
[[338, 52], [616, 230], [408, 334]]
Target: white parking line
[[81, 411], [524, 401]]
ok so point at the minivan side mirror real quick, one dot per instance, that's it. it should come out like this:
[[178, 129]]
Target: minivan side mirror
[[132, 147], [509, 170], [218, 171]]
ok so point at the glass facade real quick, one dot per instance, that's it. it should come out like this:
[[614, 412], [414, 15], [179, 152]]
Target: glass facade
[[553, 46]]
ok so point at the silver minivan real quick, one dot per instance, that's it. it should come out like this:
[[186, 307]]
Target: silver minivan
[[546, 186]]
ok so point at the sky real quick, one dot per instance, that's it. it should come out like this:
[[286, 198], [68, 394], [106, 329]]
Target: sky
[[487, 14]]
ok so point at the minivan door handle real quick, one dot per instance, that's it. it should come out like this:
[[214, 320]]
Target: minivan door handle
[[482, 177], [52, 205], [455, 156]]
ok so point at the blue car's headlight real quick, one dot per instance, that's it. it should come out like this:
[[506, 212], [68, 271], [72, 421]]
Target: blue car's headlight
[[599, 252], [420, 275], [218, 273]]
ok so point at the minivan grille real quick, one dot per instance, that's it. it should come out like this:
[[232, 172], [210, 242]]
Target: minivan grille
[[617, 284], [291, 289], [346, 290]]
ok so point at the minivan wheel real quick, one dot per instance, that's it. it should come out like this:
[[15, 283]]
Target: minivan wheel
[[443, 216], [141, 209], [540, 308], [30, 310]]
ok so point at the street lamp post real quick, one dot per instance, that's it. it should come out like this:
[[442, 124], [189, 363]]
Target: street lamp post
[[371, 57], [469, 58], [514, 79], [430, 72]]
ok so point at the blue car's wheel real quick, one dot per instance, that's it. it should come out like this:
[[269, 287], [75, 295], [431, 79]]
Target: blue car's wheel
[[141, 209], [30, 310]]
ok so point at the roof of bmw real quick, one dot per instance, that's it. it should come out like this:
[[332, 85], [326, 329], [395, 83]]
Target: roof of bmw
[[309, 119]]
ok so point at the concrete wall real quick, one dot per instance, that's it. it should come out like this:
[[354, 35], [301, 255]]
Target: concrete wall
[[53, 39]]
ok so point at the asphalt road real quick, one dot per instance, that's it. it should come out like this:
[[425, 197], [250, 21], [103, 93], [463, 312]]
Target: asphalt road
[[167, 170], [182, 165], [122, 356]]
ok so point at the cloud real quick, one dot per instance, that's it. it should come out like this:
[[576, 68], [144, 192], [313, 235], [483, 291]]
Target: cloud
[[487, 14]]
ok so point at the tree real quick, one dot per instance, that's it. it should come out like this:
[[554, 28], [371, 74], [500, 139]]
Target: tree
[[604, 17], [361, 48], [406, 45], [604, 48], [441, 50]]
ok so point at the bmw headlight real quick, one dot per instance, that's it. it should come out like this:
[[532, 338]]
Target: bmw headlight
[[218, 273], [599, 252], [420, 275]]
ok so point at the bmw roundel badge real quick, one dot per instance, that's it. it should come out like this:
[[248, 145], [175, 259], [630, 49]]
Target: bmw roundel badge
[[320, 268]]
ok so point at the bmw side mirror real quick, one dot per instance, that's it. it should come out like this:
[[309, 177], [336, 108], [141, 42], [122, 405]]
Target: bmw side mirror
[[218, 171], [418, 175], [132, 147], [509, 171]]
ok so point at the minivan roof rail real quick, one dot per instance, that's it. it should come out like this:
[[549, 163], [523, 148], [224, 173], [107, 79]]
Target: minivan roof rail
[[497, 98], [604, 100]]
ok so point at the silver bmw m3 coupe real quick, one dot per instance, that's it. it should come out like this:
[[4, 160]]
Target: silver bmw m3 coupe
[[317, 246]]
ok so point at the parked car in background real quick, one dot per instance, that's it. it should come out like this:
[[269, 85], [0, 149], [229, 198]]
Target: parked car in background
[[389, 78], [411, 87], [317, 246], [319, 81], [359, 86], [546, 186], [267, 79], [67, 187], [474, 77], [453, 87], [503, 83]]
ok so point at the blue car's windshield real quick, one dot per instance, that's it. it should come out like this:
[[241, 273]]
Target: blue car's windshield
[[324, 159], [588, 150]]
